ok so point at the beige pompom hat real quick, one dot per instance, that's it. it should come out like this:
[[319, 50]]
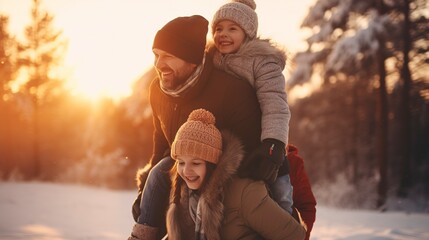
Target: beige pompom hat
[[198, 137]]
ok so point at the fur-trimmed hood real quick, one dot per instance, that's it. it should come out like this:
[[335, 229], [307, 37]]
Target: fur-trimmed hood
[[262, 47], [179, 222]]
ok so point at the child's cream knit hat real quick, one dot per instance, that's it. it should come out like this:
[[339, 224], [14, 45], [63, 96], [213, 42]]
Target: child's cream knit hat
[[241, 12]]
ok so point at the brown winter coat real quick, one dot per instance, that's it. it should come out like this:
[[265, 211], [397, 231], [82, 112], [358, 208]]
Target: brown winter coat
[[232, 208], [261, 63], [231, 100]]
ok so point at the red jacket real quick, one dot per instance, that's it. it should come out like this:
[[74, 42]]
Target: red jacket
[[303, 197]]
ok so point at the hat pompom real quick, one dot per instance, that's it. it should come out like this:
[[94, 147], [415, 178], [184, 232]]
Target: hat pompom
[[249, 3], [203, 116]]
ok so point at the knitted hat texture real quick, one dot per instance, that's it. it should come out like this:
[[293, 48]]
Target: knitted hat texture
[[241, 12], [184, 37], [198, 137]]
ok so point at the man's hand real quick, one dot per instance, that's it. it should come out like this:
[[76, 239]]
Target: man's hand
[[268, 158]]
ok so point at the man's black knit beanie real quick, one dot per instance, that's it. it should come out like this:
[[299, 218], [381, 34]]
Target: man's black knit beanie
[[184, 37]]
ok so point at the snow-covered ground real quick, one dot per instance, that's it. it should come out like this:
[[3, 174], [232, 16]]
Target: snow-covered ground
[[49, 211]]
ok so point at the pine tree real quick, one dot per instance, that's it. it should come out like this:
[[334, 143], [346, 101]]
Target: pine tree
[[8, 50], [354, 40], [41, 56]]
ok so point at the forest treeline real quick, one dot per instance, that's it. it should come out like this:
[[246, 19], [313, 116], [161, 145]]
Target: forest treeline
[[363, 131]]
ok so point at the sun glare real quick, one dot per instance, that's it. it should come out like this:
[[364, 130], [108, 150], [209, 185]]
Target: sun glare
[[92, 92], [101, 83], [109, 42]]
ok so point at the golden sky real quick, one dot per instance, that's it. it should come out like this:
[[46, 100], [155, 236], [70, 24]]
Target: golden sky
[[109, 41]]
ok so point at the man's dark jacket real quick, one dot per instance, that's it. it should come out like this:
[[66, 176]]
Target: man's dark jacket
[[232, 101]]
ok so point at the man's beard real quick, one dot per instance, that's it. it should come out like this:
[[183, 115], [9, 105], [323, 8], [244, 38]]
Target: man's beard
[[171, 82]]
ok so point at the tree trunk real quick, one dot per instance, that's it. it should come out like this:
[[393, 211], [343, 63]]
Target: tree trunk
[[355, 131], [382, 120], [36, 152], [405, 115], [382, 132]]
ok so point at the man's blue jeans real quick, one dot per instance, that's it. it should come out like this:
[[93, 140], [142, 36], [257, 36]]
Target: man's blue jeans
[[156, 192]]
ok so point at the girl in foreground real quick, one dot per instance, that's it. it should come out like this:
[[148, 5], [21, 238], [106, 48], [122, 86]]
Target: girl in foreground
[[208, 201]]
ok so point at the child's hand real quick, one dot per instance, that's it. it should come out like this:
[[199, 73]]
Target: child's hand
[[268, 157]]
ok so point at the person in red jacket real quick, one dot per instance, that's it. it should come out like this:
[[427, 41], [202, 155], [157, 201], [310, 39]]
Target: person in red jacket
[[303, 197]]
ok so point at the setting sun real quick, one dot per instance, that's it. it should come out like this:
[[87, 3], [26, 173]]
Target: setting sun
[[109, 42]]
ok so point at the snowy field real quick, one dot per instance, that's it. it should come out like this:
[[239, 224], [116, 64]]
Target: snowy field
[[48, 211]]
